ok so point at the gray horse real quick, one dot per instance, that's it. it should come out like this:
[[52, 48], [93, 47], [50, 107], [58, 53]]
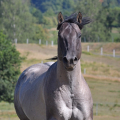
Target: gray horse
[[57, 91]]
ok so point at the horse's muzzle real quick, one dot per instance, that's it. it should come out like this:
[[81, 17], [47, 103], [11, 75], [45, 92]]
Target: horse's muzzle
[[70, 63]]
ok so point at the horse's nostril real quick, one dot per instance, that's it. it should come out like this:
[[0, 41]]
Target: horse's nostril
[[65, 60], [75, 59]]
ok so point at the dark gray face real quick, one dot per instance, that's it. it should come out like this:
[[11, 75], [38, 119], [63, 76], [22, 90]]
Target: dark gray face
[[69, 45]]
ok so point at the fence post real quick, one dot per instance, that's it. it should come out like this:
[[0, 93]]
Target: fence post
[[46, 43], [113, 53], [84, 39], [112, 39], [88, 48], [40, 41], [27, 41], [101, 51], [84, 71], [98, 38], [52, 43], [15, 41], [96, 108]]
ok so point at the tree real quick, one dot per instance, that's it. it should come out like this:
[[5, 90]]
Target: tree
[[110, 3], [55, 5], [40, 33], [15, 20], [37, 13], [9, 68], [96, 30]]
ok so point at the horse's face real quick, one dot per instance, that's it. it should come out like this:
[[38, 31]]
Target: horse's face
[[69, 45]]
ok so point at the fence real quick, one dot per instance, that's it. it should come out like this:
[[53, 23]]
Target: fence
[[104, 54], [88, 47], [97, 39], [83, 39], [110, 109], [37, 42]]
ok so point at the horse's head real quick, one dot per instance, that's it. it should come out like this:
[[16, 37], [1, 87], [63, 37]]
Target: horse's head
[[69, 40]]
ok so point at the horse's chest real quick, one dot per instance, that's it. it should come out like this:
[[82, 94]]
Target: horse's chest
[[66, 107]]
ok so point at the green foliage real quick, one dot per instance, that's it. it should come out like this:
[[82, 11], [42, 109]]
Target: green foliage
[[16, 20], [86, 53], [103, 19], [55, 5], [37, 13], [9, 68], [40, 33], [117, 40], [49, 12], [110, 3], [53, 36], [95, 30]]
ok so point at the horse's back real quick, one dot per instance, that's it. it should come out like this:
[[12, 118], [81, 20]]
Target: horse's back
[[29, 99]]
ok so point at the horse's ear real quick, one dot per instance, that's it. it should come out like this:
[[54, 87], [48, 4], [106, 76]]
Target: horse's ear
[[60, 18], [79, 17]]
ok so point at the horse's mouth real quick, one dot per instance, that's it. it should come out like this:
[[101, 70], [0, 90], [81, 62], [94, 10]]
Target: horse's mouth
[[70, 67]]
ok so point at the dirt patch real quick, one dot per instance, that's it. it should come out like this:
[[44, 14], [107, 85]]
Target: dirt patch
[[34, 51]]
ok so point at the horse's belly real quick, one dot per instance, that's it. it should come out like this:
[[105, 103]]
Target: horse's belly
[[32, 100]]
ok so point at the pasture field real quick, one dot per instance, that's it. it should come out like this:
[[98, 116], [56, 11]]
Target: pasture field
[[95, 65], [107, 47], [106, 95], [102, 76]]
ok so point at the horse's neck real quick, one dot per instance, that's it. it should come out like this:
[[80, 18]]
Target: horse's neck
[[68, 77]]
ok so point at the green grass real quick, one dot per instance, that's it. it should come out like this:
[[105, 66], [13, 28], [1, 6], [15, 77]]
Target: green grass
[[6, 106], [7, 111], [86, 53], [107, 101], [115, 35], [95, 68], [105, 93], [101, 91], [106, 96]]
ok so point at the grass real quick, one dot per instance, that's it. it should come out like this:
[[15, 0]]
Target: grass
[[105, 102], [115, 35], [105, 93], [101, 69], [7, 111], [6, 106], [107, 47], [86, 53], [108, 105], [95, 65], [101, 91]]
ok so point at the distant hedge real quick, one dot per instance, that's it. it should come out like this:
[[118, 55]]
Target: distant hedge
[[10, 62], [117, 40]]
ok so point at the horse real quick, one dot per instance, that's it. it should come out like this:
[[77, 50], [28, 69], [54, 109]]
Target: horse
[[57, 91]]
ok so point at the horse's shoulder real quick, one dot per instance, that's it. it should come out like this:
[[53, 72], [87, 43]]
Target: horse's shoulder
[[52, 70], [33, 71]]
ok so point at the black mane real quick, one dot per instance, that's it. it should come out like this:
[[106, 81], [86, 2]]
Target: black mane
[[73, 19]]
